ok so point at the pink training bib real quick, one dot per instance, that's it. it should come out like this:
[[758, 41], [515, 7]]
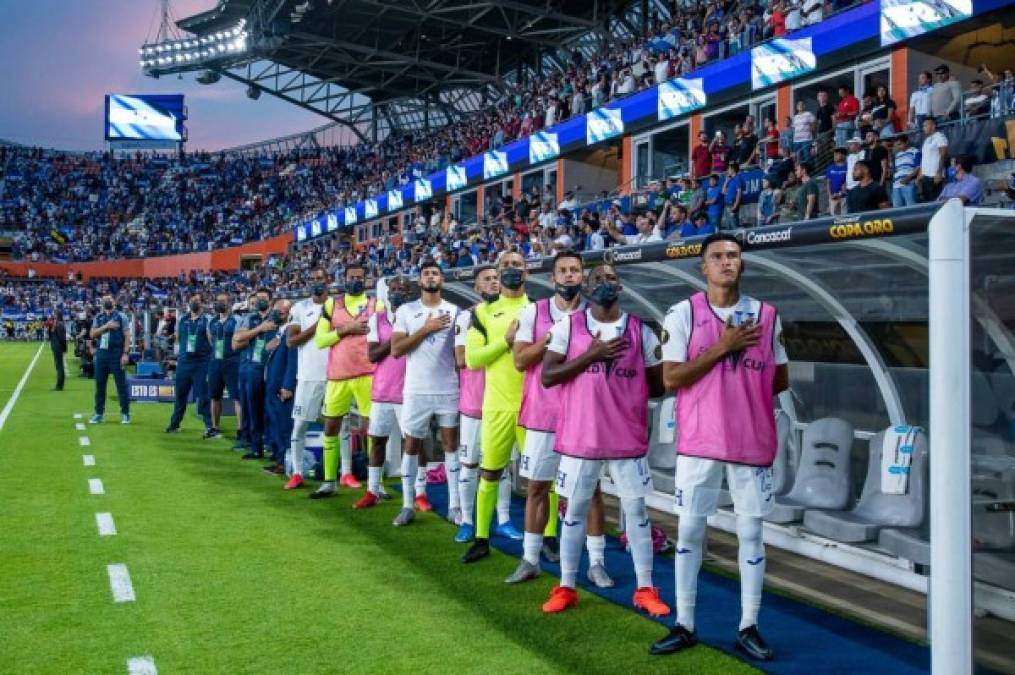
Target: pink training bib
[[540, 406], [389, 376]]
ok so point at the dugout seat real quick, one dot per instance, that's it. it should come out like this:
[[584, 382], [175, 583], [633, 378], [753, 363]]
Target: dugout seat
[[877, 510], [662, 451], [911, 544], [822, 479]]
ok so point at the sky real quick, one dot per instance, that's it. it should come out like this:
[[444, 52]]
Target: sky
[[61, 57]]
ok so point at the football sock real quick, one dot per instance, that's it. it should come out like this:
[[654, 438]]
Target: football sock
[[597, 549], [297, 446], [467, 493], [572, 539], [639, 537], [751, 560], [420, 484], [690, 544], [345, 443], [374, 475], [453, 471], [330, 457], [409, 464], [532, 544], [504, 496], [486, 502]]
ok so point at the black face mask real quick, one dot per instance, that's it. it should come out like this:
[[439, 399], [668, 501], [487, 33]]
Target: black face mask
[[396, 299], [108, 306], [511, 278], [220, 307], [275, 317], [262, 305], [317, 288], [490, 297], [354, 287], [195, 307], [604, 293], [569, 293]]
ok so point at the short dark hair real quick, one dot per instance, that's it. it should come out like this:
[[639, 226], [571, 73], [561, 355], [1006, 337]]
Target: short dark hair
[[430, 263], [264, 289], [808, 167], [862, 162], [355, 266], [561, 255], [719, 236], [966, 162]]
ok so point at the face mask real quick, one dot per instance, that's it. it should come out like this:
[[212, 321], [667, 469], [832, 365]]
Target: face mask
[[354, 287], [396, 299], [195, 307], [220, 307], [108, 306], [490, 297], [604, 293], [262, 305], [511, 277], [275, 317], [317, 288], [569, 293]]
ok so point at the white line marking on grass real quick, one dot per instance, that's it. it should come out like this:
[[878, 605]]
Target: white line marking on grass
[[78, 416], [83, 441], [142, 665], [104, 521], [89, 460], [119, 582], [95, 486], [79, 426], [5, 413]]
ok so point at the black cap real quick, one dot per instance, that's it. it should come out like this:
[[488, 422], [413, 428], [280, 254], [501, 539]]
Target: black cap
[[942, 68]]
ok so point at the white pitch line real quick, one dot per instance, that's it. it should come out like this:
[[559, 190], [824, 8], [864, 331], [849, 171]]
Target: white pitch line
[[83, 441], [141, 665], [119, 582], [78, 416], [95, 486], [79, 426], [5, 413], [104, 521], [88, 460]]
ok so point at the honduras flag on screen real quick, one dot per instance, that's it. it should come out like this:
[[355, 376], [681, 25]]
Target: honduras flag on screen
[[332, 221], [603, 123], [543, 146], [780, 60], [494, 164], [423, 189], [456, 178], [370, 208], [301, 233], [394, 200], [315, 228], [679, 97], [903, 19], [350, 215]]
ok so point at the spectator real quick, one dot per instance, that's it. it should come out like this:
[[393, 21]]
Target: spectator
[[907, 168], [945, 97], [868, 195], [966, 185], [733, 194], [720, 152], [701, 157], [746, 150], [794, 14], [919, 100], [714, 200], [835, 182], [812, 12], [977, 100], [883, 113], [593, 238], [771, 142], [855, 153], [768, 203], [877, 158], [845, 114], [647, 232], [698, 228], [804, 124], [806, 206], [933, 160]]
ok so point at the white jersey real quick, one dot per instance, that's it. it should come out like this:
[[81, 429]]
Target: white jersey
[[527, 319], [677, 329], [462, 324], [312, 362], [430, 368], [560, 335]]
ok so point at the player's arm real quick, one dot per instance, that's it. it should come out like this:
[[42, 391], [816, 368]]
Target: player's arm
[[678, 375], [526, 352], [556, 370], [654, 375], [403, 342], [324, 335], [294, 337], [377, 351], [480, 352]]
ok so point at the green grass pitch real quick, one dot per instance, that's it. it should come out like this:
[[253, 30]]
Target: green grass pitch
[[234, 575]]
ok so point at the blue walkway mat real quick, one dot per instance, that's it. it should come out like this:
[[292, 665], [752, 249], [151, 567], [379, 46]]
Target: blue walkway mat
[[806, 640]]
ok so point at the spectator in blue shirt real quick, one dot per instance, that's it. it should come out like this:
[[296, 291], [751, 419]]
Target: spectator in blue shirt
[[699, 227], [835, 182], [907, 167], [714, 200], [966, 186]]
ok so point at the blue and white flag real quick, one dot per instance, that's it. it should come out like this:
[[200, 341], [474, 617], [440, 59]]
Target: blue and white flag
[[423, 189], [370, 209], [394, 200], [494, 164], [332, 221], [315, 228], [350, 215], [603, 123], [543, 146], [679, 96], [301, 233], [456, 178], [903, 19], [779, 60]]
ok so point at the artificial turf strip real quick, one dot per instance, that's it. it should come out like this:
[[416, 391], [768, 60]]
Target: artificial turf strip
[[234, 575]]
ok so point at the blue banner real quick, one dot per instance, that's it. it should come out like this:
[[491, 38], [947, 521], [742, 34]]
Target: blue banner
[[603, 124]]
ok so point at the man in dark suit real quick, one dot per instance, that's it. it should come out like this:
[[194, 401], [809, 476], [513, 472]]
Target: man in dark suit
[[56, 333]]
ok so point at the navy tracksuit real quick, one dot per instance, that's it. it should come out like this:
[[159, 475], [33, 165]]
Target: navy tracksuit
[[280, 374], [194, 350], [252, 384], [224, 366], [108, 349]]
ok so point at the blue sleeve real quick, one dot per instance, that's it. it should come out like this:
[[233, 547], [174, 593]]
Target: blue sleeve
[[292, 361]]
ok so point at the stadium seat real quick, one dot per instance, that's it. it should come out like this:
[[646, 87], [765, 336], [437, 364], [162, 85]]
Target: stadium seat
[[993, 530], [997, 569], [822, 480], [911, 544], [662, 455], [876, 509]]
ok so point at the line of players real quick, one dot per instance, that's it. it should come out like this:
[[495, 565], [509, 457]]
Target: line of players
[[566, 379]]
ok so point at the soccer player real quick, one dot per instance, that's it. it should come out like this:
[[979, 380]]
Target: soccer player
[[423, 334], [723, 354], [224, 367], [470, 408], [259, 328], [108, 331], [311, 370], [194, 348], [539, 412], [607, 364], [343, 328], [386, 390], [502, 396]]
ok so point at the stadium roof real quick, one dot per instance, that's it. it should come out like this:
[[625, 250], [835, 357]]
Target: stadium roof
[[408, 64]]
